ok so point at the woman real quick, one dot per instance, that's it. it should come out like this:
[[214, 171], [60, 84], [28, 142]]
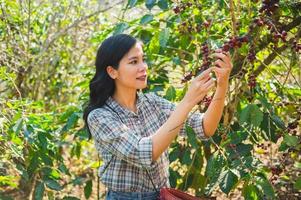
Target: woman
[[132, 130]]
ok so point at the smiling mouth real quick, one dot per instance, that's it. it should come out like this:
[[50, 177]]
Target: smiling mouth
[[142, 78]]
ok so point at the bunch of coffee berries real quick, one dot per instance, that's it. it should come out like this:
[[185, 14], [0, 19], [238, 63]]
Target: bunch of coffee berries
[[206, 60], [276, 170], [235, 42], [205, 65], [269, 6], [187, 77], [292, 126], [251, 55], [207, 100], [296, 46], [263, 146], [182, 7], [252, 81]]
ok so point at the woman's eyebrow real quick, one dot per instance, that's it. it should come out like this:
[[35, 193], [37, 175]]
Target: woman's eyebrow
[[136, 57]]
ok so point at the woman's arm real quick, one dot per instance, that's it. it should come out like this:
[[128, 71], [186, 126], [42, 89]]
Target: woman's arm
[[214, 112], [169, 130]]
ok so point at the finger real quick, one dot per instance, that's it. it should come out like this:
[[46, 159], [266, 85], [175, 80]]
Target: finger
[[222, 56], [204, 74], [210, 86], [227, 53], [217, 70], [221, 64], [208, 83], [218, 50]]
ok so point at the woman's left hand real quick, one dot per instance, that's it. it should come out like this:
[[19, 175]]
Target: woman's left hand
[[223, 67]]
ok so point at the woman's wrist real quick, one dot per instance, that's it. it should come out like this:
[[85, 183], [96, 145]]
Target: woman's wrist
[[188, 104]]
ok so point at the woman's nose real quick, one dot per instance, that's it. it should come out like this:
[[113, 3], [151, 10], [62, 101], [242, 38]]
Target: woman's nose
[[144, 66]]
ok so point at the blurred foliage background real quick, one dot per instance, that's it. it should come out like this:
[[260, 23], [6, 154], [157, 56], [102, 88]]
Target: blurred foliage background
[[47, 59]]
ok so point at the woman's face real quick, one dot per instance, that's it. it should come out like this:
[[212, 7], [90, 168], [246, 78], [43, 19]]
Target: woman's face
[[132, 69]]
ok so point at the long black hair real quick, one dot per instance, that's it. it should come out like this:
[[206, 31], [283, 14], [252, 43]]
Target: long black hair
[[102, 86]]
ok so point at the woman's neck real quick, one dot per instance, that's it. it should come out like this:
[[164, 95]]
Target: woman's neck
[[126, 99]]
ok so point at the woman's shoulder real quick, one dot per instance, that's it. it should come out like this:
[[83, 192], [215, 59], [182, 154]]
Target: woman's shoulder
[[98, 113]]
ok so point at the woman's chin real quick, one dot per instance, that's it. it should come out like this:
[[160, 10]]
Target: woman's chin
[[142, 87]]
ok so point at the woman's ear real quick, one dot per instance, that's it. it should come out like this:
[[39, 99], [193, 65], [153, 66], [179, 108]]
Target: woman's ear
[[112, 72]]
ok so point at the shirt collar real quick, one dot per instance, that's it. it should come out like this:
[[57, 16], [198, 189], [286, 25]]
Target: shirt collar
[[118, 108]]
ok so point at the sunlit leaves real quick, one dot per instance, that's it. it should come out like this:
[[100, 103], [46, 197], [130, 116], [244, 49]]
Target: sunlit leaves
[[252, 115]]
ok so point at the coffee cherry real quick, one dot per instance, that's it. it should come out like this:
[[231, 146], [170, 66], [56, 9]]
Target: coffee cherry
[[206, 24], [276, 170], [269, 6], [252, 81], [187, 77], [293, 125], [226, 47], [177, 10], [206, 100], [251, 56], [284, 33]]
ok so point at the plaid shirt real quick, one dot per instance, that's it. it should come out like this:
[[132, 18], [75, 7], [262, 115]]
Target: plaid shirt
[[129, 144]]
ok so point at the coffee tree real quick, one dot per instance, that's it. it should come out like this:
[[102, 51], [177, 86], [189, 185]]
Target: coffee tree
[[262, 112], [255, 152]]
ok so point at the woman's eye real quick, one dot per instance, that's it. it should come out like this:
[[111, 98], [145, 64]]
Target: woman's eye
[[133, 62]]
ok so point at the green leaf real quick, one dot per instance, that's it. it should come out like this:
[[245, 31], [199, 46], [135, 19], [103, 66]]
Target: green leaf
[[250, 192], [150, 4], [215, 164], [163, 37], [78, 148], [278, 121], [70, 198], [174, 154], [154, 45], [191, 136], [297, 184], [146, 19], [170, 93], [240, 150], [163, 4], [186, 158], [228, 181], [42, 140], [78, 181], [132, 3], [17, 127], [237, 136], [88, 189], [33, 165], [290, 140], [268, 127], [173, 177], [39, 191], [251, 114], [283, 146], [120, 28], [266, 187], [54, 185]]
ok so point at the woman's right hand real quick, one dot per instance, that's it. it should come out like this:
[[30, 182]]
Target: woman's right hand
[[199, 87]]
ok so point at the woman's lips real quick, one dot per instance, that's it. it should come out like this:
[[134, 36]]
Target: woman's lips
[[142, 78]]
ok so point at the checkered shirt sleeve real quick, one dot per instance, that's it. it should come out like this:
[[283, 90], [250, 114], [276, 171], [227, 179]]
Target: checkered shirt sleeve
[[194, 120], [118, 139]]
